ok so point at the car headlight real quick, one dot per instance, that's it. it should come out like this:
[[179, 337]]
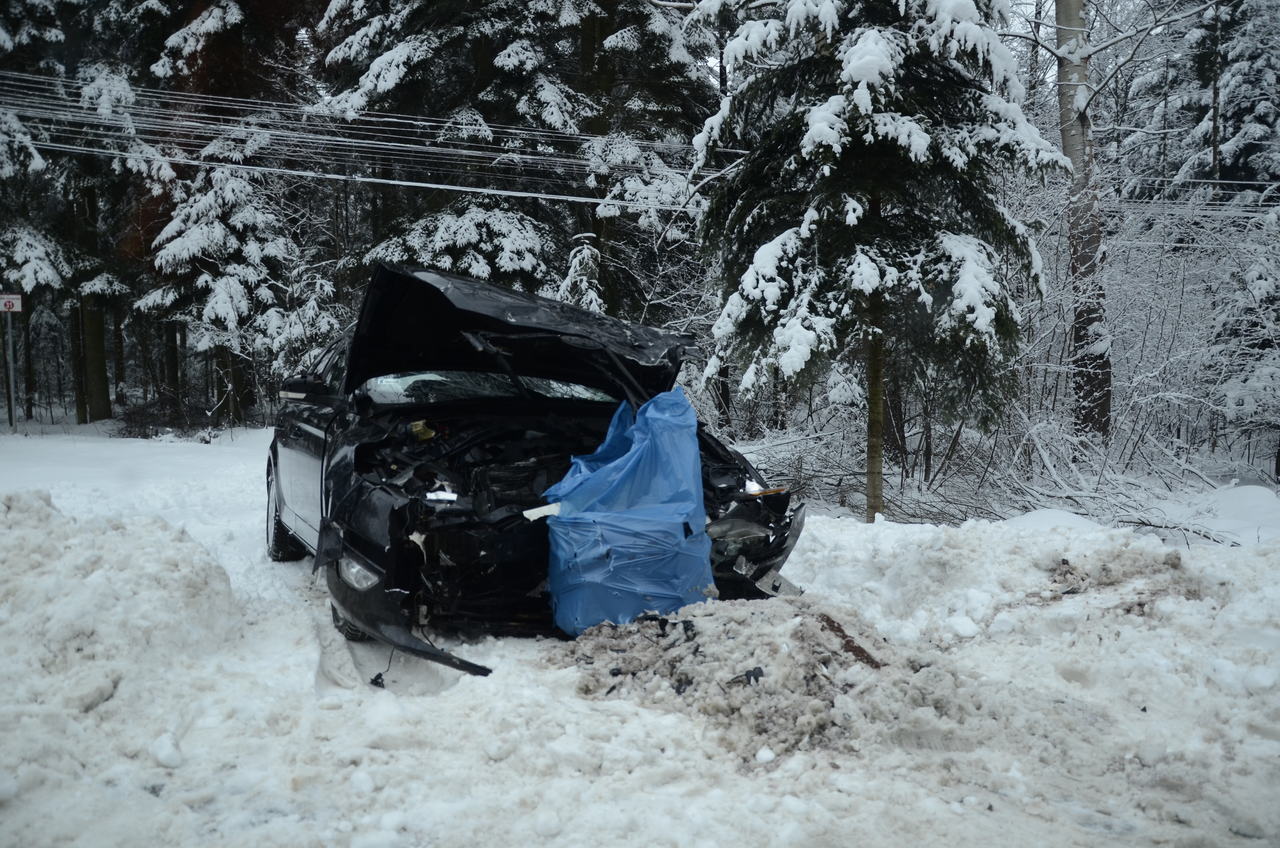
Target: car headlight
[[736, 529], [356, 575], [731, 535]]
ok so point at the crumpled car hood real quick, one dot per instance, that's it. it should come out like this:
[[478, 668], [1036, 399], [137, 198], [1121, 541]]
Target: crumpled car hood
[[414, 320]]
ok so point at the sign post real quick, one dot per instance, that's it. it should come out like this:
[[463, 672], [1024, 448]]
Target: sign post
[[9, 304]]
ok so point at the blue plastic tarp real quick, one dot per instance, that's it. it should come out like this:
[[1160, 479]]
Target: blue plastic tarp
[[631, 537]]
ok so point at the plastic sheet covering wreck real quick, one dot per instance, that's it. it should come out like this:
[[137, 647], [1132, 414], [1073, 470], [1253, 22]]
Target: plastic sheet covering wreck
[[630, 537]]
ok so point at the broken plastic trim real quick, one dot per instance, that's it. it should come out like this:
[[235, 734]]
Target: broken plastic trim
[[402, 639], [398, 636]]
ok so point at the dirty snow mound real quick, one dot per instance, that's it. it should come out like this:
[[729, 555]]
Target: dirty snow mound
[[773, 676], [785, 675]]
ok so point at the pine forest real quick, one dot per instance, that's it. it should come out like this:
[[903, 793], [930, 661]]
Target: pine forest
[[945, 258]]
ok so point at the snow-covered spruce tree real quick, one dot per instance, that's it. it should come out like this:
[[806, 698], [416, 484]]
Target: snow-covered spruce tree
[[512, 78], [30, 262], [31, 257], [863, 222], [440, 60], [223, 254], [1235, 53], [1247, 353], [645, 79], [31, 33]]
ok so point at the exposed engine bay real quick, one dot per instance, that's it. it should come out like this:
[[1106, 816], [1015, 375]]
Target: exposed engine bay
[[465, 557]]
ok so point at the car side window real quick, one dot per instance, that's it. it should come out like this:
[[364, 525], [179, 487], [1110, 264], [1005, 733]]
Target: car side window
[[315, 363], [335, 367]]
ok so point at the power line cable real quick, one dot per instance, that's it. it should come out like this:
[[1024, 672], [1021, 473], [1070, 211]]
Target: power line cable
[[266, 169], [347, 116]]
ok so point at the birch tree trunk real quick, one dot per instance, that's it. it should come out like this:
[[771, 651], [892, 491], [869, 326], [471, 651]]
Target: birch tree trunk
[[1091, 342]]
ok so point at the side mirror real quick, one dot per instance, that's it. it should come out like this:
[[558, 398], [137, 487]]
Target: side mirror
[[361, 403], [302, 386]]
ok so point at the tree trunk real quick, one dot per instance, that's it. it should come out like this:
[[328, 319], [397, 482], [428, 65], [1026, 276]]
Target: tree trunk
[[1215, 132], [97, 387], [117, 350], [28, 367], [778, 396], [142, 335], [926, 416], [896, 412], [724, 396], [6, 347], [875, 426], [241, 390], [170, 383], [1035, 71], [1091, 342], [77, 365], [223, 396]]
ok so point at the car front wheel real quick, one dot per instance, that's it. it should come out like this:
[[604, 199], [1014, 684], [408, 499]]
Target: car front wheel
[[282, 546], [348, 630]]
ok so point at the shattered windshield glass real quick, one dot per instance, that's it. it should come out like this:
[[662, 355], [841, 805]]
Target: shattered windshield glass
[[426, 387]]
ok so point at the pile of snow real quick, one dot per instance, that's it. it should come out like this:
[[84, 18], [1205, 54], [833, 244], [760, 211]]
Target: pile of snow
[[943, 584], [772, 677], [1244, 515], [1084, 674], [792, 675], [96, 614], [96, 594]]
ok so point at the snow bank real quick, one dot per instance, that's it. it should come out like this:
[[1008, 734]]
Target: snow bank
[[97, 615], [1245, 515], [794, 675], [941, 584], [1092, 676], [1126, 696]]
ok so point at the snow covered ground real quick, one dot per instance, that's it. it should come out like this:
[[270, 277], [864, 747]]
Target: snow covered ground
[[1039, 681]]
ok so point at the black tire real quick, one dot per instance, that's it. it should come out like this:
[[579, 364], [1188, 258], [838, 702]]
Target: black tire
[[282, 546], [348, 630]]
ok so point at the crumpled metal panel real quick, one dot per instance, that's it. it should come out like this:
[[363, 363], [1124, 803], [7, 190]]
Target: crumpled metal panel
[[422, 320]]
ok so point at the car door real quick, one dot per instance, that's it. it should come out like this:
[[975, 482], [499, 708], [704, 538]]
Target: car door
[[314, 418], [300, 439], [289, 445]]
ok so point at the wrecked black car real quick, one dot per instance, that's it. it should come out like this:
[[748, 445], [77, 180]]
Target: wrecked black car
[[411, 459]]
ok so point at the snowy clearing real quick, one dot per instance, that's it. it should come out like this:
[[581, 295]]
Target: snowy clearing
[[1041, 681]]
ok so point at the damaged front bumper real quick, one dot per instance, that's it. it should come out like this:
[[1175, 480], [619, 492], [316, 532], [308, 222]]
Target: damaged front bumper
[[441, 530], [363, 594], [378, 609]]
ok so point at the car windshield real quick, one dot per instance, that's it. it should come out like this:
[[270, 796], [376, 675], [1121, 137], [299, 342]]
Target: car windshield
[[424, 387]]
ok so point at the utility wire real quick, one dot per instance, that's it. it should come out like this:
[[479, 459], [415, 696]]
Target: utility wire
[[280, 134], [72, 126], [319, 111], [192, 124], [265, 169]]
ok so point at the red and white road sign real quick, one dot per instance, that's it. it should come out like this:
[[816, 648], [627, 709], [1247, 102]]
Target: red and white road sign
[[10, 303]]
